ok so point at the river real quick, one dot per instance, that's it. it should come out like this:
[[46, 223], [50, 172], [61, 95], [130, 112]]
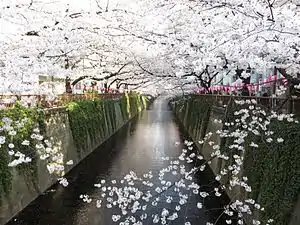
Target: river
[[140, 146]]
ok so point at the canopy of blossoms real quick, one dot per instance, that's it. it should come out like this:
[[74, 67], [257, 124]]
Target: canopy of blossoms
[[158, 41], [153, 45]]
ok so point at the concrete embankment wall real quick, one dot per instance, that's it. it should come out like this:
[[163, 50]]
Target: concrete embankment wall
[[273, 171], [76, 130]]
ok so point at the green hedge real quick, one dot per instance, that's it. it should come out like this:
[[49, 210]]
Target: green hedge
[[273, 169]]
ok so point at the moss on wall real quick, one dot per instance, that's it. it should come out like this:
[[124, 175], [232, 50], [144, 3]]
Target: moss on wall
[[273, 169], [193, 113], [97, 118], [92, 122], [274, 172], [85, 118]]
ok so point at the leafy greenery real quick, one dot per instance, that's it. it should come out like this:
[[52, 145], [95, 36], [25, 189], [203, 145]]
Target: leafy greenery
[[97, 118], [273, 169], [85, 117], [94, 118], [275, 172], [198, 117], [31, 118], [5, 173]]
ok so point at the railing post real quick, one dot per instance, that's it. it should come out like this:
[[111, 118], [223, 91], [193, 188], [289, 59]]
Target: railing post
[[38, 100], [290, 99]]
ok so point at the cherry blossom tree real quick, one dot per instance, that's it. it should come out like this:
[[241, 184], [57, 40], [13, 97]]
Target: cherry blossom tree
[[153, 45], [262, 34]]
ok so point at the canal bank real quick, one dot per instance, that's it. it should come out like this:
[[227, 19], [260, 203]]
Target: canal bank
[[140, 146]]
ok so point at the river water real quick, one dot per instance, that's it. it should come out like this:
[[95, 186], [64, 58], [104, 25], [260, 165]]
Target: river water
[[140, 146]]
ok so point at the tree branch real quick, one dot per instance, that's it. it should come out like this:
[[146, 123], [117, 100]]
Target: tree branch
[[103, 78], [271, 10], [132, 84], [144, 69]]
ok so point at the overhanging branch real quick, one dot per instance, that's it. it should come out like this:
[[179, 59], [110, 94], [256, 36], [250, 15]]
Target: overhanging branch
[[103, 78]]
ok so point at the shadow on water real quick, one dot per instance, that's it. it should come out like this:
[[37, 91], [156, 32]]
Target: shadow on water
[[139, 146]]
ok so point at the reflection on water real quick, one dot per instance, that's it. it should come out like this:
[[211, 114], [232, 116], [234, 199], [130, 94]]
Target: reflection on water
[[140, 146]]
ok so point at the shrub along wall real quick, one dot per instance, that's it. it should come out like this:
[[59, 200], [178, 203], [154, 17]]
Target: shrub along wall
[[93, 121], [273, 170], [75, 131]]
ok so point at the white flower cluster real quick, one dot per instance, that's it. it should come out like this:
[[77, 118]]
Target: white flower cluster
[[63, 181], [8, 131], [251, 118], [281, 90], [39, 146]]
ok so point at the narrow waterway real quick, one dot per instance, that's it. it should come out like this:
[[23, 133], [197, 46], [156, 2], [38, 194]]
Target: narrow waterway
[[140, 146]]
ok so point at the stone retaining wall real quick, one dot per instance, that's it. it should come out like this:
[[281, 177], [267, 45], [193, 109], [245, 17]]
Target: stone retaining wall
[[198, 120], [25, 189]]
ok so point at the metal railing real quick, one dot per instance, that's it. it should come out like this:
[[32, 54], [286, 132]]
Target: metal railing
[[8, 101], [275, 104]]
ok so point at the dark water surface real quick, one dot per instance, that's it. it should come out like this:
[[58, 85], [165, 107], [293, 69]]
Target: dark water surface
[[140, 146]]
